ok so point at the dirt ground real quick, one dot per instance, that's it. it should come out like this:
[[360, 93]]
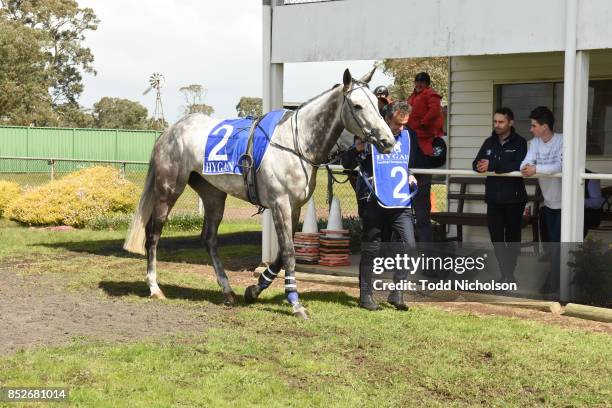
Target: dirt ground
[[37, 310]]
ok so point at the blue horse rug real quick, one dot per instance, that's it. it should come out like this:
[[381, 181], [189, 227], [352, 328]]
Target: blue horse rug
[[227, 143]]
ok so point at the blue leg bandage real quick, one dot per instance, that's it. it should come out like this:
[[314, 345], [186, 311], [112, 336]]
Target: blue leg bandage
[[292, 298], [291, 290], [266, 278]]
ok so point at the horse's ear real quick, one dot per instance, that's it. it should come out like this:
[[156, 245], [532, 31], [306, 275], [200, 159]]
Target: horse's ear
[[368, 77], [347, 80]]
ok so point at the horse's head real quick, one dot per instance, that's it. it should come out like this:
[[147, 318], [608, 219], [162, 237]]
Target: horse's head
[[360, 114]]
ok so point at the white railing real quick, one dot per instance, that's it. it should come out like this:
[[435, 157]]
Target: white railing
[[57, 159], [462, 172], [596, 176], [290, 2]]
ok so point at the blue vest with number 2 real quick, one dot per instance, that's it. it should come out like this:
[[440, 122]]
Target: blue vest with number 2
[[391, 174], [228, 140]]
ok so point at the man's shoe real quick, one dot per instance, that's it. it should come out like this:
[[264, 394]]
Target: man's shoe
[[367, 302], [396, 298]]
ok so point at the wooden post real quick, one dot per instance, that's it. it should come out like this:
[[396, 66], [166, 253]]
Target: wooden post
[[52, 164], [588, 312]]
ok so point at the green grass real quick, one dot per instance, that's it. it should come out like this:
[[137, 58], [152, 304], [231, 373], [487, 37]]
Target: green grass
[[175, 222], [267, 359], [260, 355], [16, 240]]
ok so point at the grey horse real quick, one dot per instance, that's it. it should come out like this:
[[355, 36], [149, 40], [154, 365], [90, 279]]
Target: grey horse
[[285, 179]]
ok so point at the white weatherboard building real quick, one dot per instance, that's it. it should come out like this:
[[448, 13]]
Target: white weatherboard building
[[520, 54]]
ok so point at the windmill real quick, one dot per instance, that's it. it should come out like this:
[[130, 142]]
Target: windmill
[[156, 81]]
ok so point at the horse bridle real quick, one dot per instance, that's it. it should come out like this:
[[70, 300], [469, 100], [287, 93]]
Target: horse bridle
[[367, 134]]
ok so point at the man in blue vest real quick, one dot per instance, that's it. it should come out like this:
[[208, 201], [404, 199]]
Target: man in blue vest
[[385, 196]]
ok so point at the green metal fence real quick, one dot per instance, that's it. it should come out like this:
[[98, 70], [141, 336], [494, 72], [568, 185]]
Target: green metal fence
[[65, 143]]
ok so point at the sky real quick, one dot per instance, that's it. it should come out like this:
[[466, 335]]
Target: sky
[[213, 43]]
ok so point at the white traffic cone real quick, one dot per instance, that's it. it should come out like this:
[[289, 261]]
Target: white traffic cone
[[334, 243], [310, 219], [306, 243], [334, 222]]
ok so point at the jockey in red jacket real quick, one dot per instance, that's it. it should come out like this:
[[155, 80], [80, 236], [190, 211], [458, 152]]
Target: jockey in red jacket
[[426, 117]]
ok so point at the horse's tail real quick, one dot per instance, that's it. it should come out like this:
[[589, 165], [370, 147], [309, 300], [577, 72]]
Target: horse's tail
[[136, 236]]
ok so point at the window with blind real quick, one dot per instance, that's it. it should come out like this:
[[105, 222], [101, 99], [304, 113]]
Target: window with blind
[[522, 98]]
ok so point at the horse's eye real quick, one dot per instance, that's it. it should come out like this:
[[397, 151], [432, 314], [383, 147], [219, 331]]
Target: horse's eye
[[358, 107]]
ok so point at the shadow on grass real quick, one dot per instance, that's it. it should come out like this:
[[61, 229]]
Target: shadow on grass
[[189, 250], [140, 289]]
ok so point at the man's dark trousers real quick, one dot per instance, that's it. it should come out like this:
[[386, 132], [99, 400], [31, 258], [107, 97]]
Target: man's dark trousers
[[422, 208], [505, 223], [551, 221], [378, 224]]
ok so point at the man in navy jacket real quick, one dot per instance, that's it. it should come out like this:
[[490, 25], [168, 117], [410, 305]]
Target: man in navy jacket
[[506, 197]]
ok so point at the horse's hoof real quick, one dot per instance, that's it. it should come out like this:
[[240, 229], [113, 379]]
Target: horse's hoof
[[158, 295], [229, 299], [251, 293], [299, 311]]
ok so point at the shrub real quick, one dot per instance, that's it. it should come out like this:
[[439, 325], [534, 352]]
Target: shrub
[[9, 192], [185, 222], [179, 222], [76, 199], [110, 222]]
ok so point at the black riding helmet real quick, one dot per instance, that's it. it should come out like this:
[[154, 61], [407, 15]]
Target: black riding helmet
[[381, 90], [438, 157]]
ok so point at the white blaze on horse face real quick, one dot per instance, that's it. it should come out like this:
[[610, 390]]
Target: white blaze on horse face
[[369, 122]]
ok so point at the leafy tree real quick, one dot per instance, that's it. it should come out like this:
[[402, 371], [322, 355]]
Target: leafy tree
[[24, 81], [61, 25], [118, 113], [71, 115], [249, 106], [405, 69], [201, 108], [194, 95]]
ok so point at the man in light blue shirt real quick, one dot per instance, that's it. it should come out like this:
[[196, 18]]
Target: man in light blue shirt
[[545, 156]]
